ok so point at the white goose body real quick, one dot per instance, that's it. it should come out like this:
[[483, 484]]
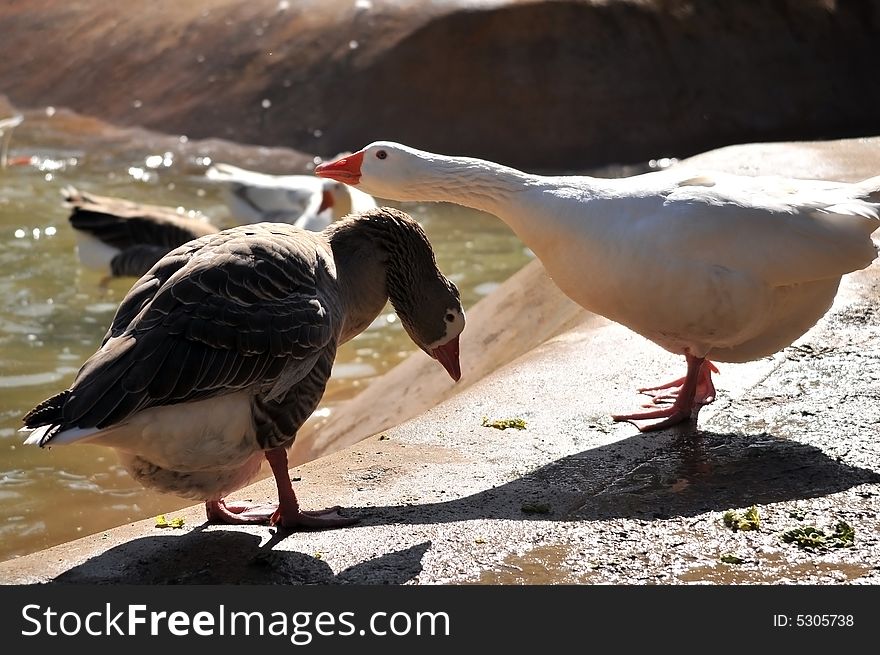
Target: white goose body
[[708, 265], [305, 201], [726, 271]]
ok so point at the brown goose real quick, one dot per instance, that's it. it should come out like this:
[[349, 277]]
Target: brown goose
[[120, 238], [217, 356]]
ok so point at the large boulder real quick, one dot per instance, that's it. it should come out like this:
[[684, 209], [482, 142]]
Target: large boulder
[[536, 84]]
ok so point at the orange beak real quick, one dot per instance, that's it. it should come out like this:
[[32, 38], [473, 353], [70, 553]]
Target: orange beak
[[345, 169], [326, 201], [447, 355]]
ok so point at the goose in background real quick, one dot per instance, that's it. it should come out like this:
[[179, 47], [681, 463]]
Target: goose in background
[[305, 201], [217, 356], [711, 266], [120, 238], [7, 125]]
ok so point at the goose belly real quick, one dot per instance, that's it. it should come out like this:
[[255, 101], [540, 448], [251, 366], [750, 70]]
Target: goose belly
[[679, 304], [94, 253], [195, 485], [795, 309], [206, 435]]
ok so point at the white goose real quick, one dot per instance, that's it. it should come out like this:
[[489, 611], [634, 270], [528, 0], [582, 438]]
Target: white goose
[[7, 125], [707, 265], [305, 201], [217, 356]]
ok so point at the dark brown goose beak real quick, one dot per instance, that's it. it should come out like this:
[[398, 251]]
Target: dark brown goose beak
[[345, 169], [447, 355]]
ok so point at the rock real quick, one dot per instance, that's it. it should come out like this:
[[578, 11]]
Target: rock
[[552, 85]]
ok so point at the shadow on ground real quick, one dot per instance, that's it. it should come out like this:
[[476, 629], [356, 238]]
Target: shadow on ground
[[219, 557], [683, 474]]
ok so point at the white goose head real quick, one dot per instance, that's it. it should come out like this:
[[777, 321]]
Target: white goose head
[[384, 169]]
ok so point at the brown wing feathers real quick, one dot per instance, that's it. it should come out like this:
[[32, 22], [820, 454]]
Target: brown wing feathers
[[202, 324]]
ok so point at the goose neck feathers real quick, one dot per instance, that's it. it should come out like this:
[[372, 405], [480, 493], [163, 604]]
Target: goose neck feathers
[[384, 254], [392, 170]]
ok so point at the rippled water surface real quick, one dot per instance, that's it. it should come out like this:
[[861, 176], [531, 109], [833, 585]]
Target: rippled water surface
[[53, 314]]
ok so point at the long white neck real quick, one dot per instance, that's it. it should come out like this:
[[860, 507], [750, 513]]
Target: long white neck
[[474, 183], [535, 207]]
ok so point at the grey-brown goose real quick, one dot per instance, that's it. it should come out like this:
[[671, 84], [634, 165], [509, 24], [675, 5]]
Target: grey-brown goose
[[217, 356], [120, 238]]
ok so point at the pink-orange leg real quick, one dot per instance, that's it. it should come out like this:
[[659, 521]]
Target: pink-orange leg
[[286, 513], [684, 398], [704, 395]]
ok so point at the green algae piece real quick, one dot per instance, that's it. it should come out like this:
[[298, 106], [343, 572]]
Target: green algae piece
[[809, 537], [743, 521], [163, 522], [503, 424]]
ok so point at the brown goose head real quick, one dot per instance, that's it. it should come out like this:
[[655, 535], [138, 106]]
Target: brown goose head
[[427, 302], [433, 318]]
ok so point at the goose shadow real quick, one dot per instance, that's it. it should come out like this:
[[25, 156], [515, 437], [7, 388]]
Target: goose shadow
[[228, 557], [663, 476], [656, 477]]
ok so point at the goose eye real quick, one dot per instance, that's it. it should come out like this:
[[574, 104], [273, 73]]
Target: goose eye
[[450, 318], [381, 154]]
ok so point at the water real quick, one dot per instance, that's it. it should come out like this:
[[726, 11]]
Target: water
[[53, 314]]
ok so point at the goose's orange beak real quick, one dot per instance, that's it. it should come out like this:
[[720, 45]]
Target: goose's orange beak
[[345, 169], [326, 201], [447, 355]]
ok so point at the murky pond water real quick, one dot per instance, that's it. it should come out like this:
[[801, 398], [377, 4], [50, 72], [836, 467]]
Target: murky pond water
[[53, 313]]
